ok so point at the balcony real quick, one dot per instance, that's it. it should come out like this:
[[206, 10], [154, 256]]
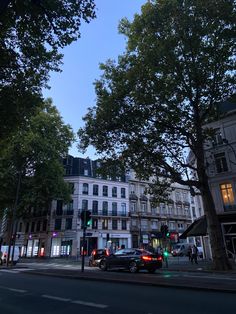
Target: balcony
[[106, 213]]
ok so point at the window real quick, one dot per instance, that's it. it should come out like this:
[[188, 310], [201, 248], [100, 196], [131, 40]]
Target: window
[[114, 209], [123, 224], [58, 224], [123, 209], [185, 197], [20, 227], [177, 197], [69, 209], [94, 223], [221, 162], [105, 190], [38, 226], [227, 193], [95, 189], [59, 207], [32, 226], [27, 227], [86, 172], [105, 223], [114, 191], [85, 188], [68, 225], [45, 222], [133, 207], [105, 208], [84, 204], [123, 193], [114, 224], [95, 207], [194, 211], [143, 207], [72, 187], [132, 188], [217, 139], [142, 189]]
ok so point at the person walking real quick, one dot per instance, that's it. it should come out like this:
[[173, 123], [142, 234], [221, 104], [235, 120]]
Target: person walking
[[189, 252], [194, 251], [1, 258]]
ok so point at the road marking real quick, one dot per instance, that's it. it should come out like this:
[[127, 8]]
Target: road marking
[[91, 304], [55, 298], [12, 271], [17, 290], [13, 289], [101, 306]]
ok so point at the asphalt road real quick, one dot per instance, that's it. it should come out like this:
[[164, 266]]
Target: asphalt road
[[25, 293]]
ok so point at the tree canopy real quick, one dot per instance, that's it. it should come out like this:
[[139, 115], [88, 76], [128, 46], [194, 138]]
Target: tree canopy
[[34, 157], [32, 35], [153, 103]]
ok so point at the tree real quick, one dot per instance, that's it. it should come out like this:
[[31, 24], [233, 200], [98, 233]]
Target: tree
[[34, 158], [152, 105], [32, 35]]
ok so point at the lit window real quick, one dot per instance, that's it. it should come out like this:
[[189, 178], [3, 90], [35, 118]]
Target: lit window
[[227, 193]]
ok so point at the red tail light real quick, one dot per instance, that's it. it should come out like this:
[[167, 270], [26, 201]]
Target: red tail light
[[159, 258], [146, 258], [93, 252]]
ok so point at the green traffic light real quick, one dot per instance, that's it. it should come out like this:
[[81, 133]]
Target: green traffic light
[[168, 234], [165, 253]]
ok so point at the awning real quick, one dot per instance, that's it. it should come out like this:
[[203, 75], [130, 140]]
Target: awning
[[197, 228]]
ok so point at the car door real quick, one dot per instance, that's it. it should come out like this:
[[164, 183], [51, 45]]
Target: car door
[[116, 259]]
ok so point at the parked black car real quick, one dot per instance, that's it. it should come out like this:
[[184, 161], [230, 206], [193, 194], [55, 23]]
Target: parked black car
[[132, 260], [96, 256]]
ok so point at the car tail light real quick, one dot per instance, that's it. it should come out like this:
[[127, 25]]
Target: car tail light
[[147, 258], [93, 252], [159, 258]]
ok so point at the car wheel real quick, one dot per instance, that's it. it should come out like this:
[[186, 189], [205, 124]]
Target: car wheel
[[133, 267], [152, 270], [103, 265]]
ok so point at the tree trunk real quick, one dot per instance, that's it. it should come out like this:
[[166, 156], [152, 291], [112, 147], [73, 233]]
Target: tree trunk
[[219, 256]]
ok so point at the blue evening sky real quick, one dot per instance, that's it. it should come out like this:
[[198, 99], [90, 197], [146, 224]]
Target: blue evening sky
[[72, 90]]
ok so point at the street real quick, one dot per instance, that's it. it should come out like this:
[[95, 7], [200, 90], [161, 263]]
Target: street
[[24, 293]]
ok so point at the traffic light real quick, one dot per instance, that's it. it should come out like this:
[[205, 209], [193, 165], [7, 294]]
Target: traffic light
[[86, 219], [165, 253], [165, 231]]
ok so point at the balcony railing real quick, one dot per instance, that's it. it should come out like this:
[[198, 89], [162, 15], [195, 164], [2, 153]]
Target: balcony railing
[[106, 213]]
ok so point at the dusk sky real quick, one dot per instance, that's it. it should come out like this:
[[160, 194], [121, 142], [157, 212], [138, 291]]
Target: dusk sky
[[72, 90]]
